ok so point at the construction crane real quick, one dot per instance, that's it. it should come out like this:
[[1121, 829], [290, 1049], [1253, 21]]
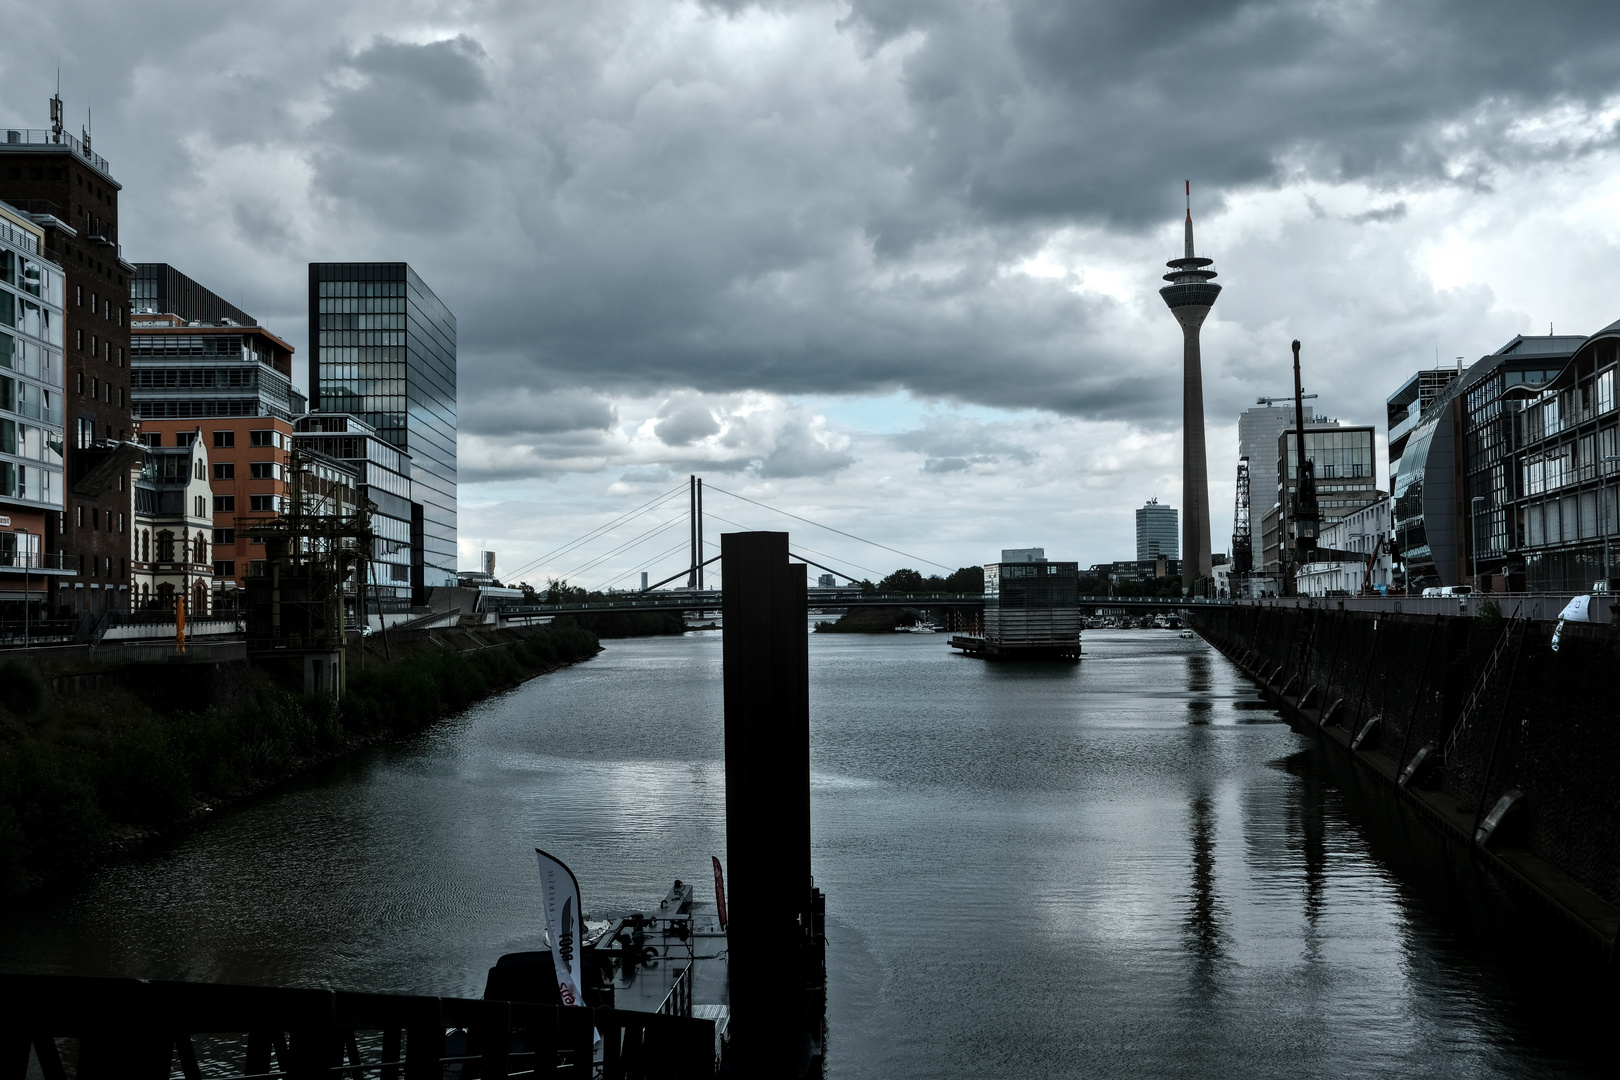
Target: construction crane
[[1274, 400]]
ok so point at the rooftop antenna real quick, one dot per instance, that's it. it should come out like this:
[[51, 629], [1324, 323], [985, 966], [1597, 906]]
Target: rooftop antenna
[[56, 109], [90, 119]]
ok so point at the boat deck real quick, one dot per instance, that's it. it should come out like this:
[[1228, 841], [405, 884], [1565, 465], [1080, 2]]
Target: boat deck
[[672, 959]]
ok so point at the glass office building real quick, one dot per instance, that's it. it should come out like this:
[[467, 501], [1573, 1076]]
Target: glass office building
[[383, 349]]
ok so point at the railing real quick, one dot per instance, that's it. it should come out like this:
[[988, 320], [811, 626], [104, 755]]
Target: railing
[[39, 206], [678, 1002], [15, 236], [47, 137], [19, 562], [140, 1030]]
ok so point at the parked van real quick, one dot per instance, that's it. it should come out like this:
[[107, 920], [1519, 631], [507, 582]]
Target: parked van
[[1449, 590]]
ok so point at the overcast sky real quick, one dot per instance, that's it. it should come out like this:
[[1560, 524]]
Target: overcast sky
[[891, 265]]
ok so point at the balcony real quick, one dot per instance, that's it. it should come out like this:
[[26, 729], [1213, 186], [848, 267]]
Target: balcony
[[44, 564]]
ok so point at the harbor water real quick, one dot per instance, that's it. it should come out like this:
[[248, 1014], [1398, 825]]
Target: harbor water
[[1125, 867]]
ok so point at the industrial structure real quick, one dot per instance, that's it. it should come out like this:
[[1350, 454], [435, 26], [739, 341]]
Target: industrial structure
[[1242, 540], [1190, 295]]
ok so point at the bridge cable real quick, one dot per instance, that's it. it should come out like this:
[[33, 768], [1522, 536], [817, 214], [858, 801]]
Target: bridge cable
[[662, 554], [595, 533], [811, 550], [591, 564], [829, 528]]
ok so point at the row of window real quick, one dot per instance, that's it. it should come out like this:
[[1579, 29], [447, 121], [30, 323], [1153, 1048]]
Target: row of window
[[361, 288], [26, 399], [23, 481], [30, 318], [98, 388], [99, 347], [257, 470], [257, 504]]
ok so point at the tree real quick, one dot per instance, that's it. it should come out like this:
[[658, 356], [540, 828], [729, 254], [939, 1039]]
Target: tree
[[902, 581], [558, 591], [969, 579]]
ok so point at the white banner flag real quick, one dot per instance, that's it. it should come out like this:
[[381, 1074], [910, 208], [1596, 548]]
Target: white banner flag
[[559, 891]]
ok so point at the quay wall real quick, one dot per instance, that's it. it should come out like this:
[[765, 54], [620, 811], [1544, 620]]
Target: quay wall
[[1543, 724]]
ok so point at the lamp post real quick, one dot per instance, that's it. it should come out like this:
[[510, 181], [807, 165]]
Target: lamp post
[[1603, 510], [1473, 534]]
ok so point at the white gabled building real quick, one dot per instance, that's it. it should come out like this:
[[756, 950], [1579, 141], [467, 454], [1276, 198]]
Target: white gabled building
[[174, 520], [1365, 532]]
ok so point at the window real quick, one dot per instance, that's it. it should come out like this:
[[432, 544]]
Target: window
[[264, 470], [92, 303], [224, 470], [120, 522], [264, 438], [224, 536], [224, 503], [224, 438], [199, 506], [225, 568], [152, 438], [185, 438], [165, 546], [256, 567], [264, 504], [120, 397], [81, 517], [81, 382], [95, 388]]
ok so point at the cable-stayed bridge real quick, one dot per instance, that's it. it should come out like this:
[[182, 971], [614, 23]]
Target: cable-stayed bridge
[[693, 596]]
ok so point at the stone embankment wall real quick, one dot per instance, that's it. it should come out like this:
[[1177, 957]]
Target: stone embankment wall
[[1391, 689]]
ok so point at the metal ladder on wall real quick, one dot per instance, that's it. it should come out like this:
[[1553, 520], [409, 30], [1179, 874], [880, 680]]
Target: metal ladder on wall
[[1478, 692]]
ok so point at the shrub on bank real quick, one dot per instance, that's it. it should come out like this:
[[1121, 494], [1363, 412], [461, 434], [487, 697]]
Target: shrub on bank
[[62, 801]]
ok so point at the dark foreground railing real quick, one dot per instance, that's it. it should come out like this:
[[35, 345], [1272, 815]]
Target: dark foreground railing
[[129, 1028]]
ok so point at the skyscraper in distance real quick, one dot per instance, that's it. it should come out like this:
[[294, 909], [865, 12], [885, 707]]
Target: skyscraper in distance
[[1190, 295], [1156, 532], [382, 347]]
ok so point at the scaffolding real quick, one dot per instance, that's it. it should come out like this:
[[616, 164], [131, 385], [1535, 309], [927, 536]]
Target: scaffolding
[[316, 551]]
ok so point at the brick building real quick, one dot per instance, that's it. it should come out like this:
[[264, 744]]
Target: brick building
[[70, 193]]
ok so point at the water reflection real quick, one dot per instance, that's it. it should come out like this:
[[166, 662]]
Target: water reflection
[[1031, 870]]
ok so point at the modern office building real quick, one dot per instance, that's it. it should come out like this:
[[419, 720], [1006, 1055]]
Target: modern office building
[[1346, 471], [160, 289], [1460, 448], [1190, 295], [383, 478], [183, 370], [1407, 405], [1559, 492], [31, 437], [383, 350], [1258, 429], [1156, 533], [69, 192]]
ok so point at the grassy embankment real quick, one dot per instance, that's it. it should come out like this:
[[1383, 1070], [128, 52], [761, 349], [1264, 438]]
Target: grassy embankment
[[87, 774]]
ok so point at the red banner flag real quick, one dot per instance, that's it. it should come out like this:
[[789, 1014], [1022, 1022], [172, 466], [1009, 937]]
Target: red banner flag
[[719, 891]]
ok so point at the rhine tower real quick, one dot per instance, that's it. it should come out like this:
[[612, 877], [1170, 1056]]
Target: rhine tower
[[1190, 295]]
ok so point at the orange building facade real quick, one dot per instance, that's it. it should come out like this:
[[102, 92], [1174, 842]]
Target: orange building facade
[[248, 463]]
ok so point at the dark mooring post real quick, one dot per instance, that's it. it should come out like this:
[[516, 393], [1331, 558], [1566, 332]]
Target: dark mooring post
[[774, 914]]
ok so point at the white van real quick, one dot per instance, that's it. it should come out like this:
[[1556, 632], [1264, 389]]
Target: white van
[[1449, 590]]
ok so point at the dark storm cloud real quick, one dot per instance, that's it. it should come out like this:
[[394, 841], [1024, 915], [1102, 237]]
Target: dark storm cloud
[[792, 198]]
